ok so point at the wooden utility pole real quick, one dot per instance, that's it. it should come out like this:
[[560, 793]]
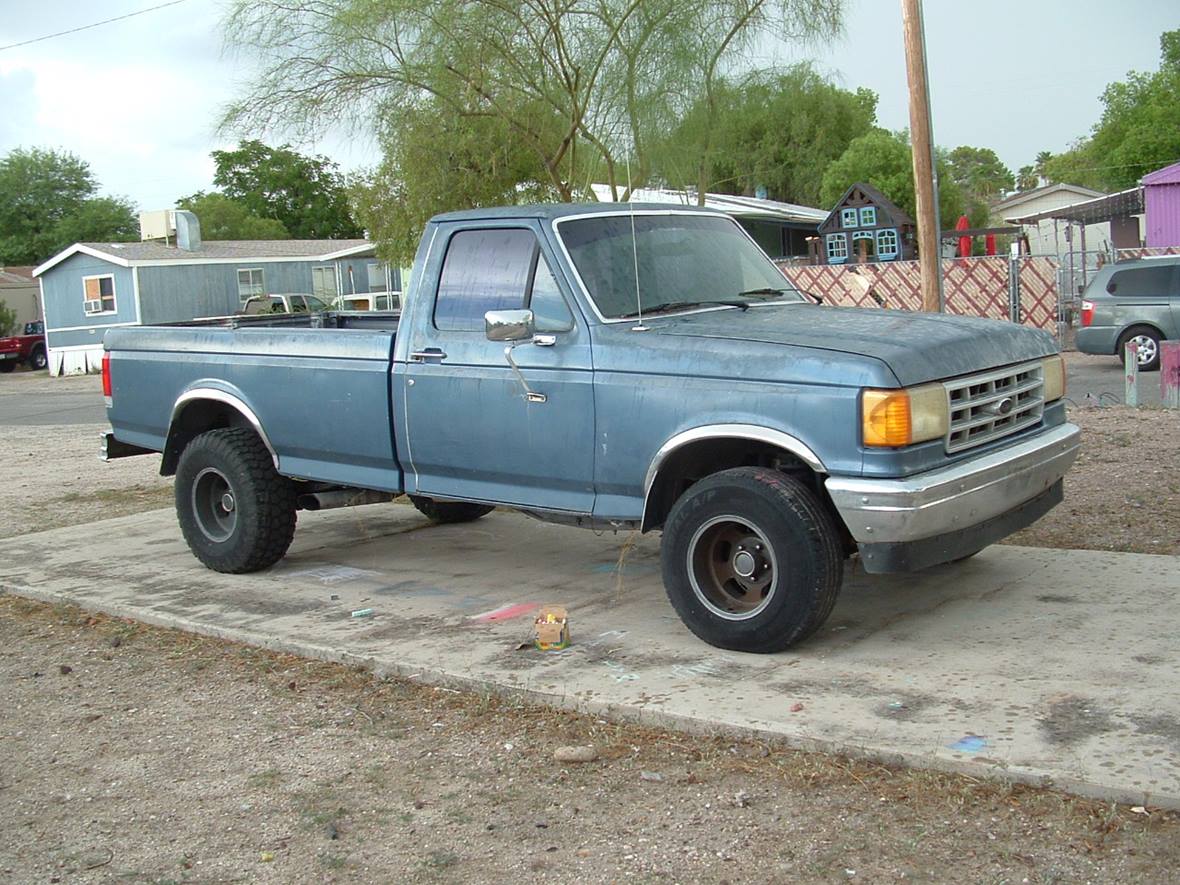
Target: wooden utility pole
[[922, 142]]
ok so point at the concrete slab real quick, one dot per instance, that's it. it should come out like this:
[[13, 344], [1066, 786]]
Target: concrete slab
[[1056, 667]]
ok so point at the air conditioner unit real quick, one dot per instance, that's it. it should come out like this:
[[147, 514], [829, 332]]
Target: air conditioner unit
[[92, 306]]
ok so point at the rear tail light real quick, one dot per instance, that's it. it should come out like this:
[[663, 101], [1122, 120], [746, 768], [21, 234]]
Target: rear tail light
[[106, 376], [1087, 312]]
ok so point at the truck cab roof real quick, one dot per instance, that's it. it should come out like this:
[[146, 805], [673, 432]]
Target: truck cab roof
[[551, 211]]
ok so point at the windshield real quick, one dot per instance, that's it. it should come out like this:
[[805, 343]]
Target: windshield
[[683, 261]]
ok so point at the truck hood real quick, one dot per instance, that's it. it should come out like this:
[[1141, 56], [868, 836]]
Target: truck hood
[[917, 347]]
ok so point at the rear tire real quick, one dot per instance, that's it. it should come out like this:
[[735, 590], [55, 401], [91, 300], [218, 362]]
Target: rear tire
[[449, 511], [235, 511], [752, 560], [7, 366], [1149, 347], [38, 360]]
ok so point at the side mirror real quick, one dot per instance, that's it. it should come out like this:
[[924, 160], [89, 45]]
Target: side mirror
[[509, 325]]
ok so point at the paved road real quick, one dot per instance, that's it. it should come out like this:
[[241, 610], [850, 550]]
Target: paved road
[[1020, 663], [1098, 380], [35, 399]]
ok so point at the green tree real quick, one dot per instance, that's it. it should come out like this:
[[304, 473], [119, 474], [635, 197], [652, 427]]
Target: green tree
[[436, 163], [778, 130], [224, 218], [979, 172], [7, 318], [99, 218], [1026, 178], [1139, 130], [306, 195], [585, 85], [884, 160], [48, 201]]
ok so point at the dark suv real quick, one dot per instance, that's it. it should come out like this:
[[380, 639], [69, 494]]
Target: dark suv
[[1132, 301]]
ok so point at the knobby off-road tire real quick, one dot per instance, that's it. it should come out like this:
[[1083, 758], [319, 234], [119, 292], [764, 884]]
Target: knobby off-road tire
[[449, 511], [38, 360], [235, 511], [752, 560]]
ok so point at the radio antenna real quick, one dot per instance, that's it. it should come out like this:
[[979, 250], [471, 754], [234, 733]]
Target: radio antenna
[[638, 327]]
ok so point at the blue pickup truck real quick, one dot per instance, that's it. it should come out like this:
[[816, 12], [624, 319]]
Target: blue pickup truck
[[612, 367]]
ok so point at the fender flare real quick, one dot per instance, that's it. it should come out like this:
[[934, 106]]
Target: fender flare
[[777, 438], [213, 394]]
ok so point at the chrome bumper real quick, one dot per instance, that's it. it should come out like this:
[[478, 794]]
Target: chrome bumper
[[939, 502]]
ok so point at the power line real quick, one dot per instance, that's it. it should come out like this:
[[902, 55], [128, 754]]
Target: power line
[[88, 27]]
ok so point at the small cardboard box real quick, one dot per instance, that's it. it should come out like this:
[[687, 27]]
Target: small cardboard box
[[551, 629]]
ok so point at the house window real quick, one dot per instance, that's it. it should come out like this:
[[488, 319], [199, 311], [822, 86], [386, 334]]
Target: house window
[[887, 244], [323, 282], [98, 294], [868, 216], [837, 247], [376, 274], [250, 283], [848, 218]]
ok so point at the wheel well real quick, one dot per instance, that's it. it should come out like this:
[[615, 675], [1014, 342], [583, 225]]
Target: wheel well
[[1133, 326], [693, 462], [194, 418]]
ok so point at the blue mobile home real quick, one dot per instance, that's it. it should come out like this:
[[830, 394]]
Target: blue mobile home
[[91, 287]]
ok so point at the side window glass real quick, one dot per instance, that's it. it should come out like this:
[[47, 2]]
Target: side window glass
[[550, 311], [1150, 282], [483, 270]]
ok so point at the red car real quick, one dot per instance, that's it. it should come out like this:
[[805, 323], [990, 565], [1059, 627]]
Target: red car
[[27, 348]]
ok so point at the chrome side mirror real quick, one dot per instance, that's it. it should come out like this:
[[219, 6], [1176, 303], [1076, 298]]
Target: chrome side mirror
[[509, 325]]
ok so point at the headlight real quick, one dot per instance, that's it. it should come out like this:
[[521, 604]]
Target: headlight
[[903, 417], [1053, 371]]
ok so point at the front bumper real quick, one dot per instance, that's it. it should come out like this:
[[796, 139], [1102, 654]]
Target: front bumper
[[933, 517]]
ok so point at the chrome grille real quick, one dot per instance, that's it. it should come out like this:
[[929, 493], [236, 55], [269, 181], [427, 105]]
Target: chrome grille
[[992, 405]]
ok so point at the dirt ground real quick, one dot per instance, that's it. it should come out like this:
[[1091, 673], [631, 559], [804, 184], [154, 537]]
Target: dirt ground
[[133, 754]]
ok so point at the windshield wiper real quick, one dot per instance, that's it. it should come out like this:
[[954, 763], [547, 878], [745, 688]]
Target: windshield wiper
[[677, 305], [765, 291], [768, 291]]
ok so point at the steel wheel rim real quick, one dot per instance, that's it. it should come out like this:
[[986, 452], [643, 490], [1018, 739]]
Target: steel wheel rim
[[214, 505], [1147, 349], [732, 568]]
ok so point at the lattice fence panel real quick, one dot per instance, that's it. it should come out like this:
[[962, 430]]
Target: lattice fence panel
[[1039, 299], [971, 286], [1145, 251], [976, 287]]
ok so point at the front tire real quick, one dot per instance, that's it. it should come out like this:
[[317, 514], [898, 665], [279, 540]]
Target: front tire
[[235, 511], [752, 560], [1148, 340], [38, 360], [449, 511]]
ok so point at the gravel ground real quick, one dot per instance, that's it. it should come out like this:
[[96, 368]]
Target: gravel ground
[[132, 754]]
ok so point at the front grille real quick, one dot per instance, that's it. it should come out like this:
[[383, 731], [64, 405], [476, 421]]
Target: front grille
[[992, 405]]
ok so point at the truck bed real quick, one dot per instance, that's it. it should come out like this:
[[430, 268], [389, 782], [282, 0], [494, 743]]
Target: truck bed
[[318, 383]]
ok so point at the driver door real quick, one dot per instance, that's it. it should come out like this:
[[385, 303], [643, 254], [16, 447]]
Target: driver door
[[472, 434]]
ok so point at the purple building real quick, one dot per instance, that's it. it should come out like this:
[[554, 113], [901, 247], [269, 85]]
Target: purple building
[[1161, 205]]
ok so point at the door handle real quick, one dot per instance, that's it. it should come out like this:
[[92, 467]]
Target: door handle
[[430, 353]]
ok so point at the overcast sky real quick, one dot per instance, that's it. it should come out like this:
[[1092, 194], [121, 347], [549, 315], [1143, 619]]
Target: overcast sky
[[138, 99]]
